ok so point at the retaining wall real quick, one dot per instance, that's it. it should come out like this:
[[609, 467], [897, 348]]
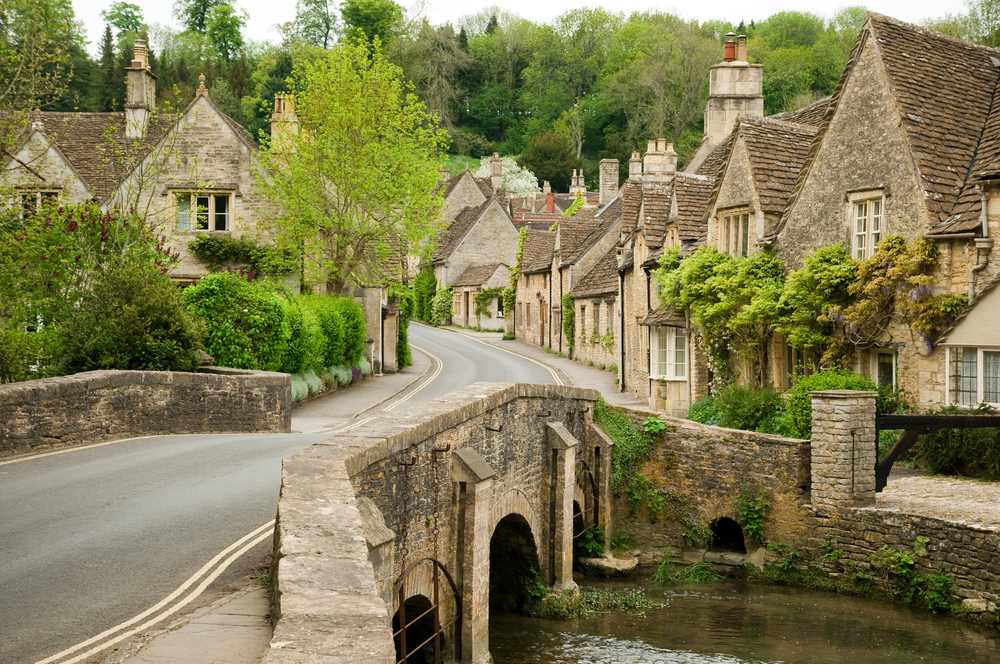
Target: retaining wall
[[96, 405]]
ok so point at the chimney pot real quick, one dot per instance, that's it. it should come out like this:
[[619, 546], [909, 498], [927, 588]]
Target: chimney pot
[[661, 145], [729, 54], [546, 187], [741, 48]]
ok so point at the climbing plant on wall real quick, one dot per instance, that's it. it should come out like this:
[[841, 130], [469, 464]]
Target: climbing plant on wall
[[569, 320], [510, 293]]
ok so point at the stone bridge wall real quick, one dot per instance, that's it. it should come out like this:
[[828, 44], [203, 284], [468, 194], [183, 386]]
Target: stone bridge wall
[[341, 514], [96, 405]]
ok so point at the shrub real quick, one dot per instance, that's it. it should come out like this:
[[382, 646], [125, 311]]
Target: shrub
[[22, 353], [705, 411], [407, 304], [424, 289], [133, 318], [748, 408], [796, 420], [355, 332], [342, 374], [313, 381], [304, 350], [441, 305], [332, 325], [632, 444], [299, 388], [971, 452], [246, 323], [365, 367]]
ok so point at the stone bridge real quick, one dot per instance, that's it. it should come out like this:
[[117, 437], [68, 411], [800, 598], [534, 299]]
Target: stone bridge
[[492, 473]]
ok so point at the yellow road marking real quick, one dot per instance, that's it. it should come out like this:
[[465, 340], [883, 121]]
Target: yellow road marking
[[552, 371], [74, 449], [436, 373]]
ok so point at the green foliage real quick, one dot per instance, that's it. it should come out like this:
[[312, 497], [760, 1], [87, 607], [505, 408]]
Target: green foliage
[[751, 512], [220, 250], [831, 552], [306, 341], [790, 566], [510, 294], [811, 292], [569, 320], [194, 13], [696, 534], [407, 305], [653, 426], [246, 324], [355, 332], [509, 336], [704, 410], [593, 600], [551, 157], [632, 445], [748, 408], [224, 26], [591, 542], [623, 542], [969, 452], [371, 19], [574, 207], [132, 318], [124, 16], [796, 420], [485, 298], [441, 305], [693, 573], [424, 288]]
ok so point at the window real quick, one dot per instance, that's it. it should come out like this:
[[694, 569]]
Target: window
[[735, 234], [582, 332], [884, 368], [973, 376], [867, 224], [611, 315], [667, 352], [597, 317], [35, 200], [209, 212]]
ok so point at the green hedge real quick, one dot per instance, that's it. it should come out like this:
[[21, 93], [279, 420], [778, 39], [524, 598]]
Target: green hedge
[[969, 452], [796, 420]]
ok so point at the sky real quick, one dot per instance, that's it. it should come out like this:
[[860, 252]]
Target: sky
[[264, 15]]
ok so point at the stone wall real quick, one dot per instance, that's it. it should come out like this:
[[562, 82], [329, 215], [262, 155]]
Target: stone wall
[[97, 405]]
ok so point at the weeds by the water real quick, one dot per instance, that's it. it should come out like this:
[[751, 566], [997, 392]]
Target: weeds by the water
[[634, 601], [694, 573]]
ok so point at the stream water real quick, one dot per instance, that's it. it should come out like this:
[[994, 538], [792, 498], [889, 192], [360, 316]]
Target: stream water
[[735, 622]]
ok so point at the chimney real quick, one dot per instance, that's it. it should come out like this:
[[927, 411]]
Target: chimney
[[741, 48], [443, 174], [576, 183], [635, 167], [660, 161], [140, 93], [550, 202], [202, 91], [496, 172], [546, 187], [284, 122], [609, 180], [729, 54]]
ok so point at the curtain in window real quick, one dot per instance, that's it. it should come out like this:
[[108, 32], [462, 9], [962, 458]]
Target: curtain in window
[[991, 376]]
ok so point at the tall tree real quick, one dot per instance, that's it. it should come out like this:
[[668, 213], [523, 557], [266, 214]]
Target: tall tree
[[194, 13], [125, 16], [356, 183], [106, 73], [371, 18], [224, 26], [433, 60], [316, 22]]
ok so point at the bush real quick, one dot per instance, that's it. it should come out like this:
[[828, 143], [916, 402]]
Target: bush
[[343, 374], [330, 321], [748, 408], [313, 381], [133, 318], [441, 305], [304, 351], [22, 353], [300, 390], [355, 332], [705, 411], [796, 420], [424, 289], [970, 452], [247, 327], [365, 367]]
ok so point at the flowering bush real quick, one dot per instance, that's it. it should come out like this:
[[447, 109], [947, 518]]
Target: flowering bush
[[516, 180]]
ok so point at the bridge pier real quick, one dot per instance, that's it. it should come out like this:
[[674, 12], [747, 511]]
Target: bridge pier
[[563, 446]]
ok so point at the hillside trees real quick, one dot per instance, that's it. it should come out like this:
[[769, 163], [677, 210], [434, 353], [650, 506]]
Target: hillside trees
[[361, 186]]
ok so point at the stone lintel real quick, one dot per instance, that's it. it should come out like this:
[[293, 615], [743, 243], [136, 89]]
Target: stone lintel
[[468, 465]]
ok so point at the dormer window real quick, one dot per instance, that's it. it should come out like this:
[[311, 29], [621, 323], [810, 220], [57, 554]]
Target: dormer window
[[867, 223], [734, 233]]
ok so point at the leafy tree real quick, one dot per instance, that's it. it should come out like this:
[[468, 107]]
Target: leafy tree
[[434, 61], [361, 186], [790, 29], [194, 13], [551, 157], [316, 22], [984, 21], [371, 19], [125, 16], [224, 25]]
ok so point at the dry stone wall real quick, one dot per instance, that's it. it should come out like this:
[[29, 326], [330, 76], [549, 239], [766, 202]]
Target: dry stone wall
[[96, 405]]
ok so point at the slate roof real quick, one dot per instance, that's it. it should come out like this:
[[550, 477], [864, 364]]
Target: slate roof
[[665, 316], [777, 152], [599, 220], [812, 115], [485, 184], [713, 163], [631, 195], [602, 278], [693, 193], [536, 254], [458, 229], [655, 210], [476, 275]]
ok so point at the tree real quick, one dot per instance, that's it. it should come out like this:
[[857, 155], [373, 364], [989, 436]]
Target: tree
[[125, 16], [371, 19], [551, 157], [225, 25], [357, 184], [984, 21], [194, 13], [316, 22], [433, 60], [516, 179]]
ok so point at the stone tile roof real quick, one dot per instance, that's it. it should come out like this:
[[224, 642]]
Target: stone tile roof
[[653, 260], [713, 163], [665, 316], [631, 196], [812, 115], [536, 254], [458, 229], [476, 275], [485, 184], [602, 278], [694, 246], [600, 221], [777, 152], [655, 211], [693, 193]]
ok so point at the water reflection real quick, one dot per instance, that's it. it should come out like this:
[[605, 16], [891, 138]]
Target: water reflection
[[733, 622]]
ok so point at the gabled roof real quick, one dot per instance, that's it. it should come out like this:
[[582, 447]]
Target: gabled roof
[[598, 220], [602, 278], [812, 115], [448, 241], [777, 152], [713, 163], [477, 275], [665, 316], [536, 254], [485, 184], [655, 210], [692, 193], [631, 195]]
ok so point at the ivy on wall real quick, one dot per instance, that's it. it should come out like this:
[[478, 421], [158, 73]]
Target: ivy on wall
[[217, 250], [510, 293], [569, 320], [486, 297]]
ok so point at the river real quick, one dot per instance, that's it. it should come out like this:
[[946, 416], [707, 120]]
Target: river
[[736, 622]]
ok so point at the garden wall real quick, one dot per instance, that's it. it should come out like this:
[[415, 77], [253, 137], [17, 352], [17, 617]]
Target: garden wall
[[96, 405]]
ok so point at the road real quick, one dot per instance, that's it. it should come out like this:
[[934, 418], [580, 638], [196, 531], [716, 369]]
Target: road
[[93, 539]]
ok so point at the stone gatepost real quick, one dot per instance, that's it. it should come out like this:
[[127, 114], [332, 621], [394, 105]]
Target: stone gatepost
[[602, 450], [563, 445], [843, 448], [475, 491]]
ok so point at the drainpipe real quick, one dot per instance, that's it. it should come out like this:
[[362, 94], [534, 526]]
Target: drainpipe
[[621, 322], [983, 244], [649, 301], [563, 317]]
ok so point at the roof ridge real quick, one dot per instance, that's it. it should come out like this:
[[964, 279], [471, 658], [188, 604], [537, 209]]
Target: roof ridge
[[784, 124], [930, 32]]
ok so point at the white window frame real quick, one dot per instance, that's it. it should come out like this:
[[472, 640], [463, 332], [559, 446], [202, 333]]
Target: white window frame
[[209, 211], [667, 361], [874, 357], [734, 232], [979, 378], [866, 214]]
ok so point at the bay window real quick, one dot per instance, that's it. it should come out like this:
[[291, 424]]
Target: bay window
[[667, 352]]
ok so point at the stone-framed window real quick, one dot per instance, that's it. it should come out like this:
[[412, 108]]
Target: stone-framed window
[[668, 356], [30, 201], [883, 366], [734, 232], [581, 330], [201, 211], [867, 222], [597, 316], [973, 376]]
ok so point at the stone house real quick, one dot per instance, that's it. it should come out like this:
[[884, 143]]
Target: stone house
[[927, 101], [534, 293], [464, 190], [466, 311], [595, 299]]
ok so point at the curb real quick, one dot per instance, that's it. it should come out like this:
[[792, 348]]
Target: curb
[[397, 392]]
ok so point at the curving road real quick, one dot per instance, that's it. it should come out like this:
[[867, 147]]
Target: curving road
[[93, 538]]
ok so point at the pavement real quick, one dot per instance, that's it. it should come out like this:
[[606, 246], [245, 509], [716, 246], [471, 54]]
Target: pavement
[[236, 629]]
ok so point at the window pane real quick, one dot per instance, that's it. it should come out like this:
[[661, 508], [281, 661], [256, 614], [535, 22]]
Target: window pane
[[222, 213], [663, 352], [860, 229], [885, 372], [991, 376], [184, 213], [746, 234], [725, 241], [876, 223], [201, 213], [962, 376], [597, 319], [680, 353]]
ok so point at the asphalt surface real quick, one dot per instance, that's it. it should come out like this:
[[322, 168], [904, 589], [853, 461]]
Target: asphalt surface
[[92, 537]]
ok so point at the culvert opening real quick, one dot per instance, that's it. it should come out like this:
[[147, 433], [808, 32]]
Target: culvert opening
[[513, 563], [420, 630], [727, 535]]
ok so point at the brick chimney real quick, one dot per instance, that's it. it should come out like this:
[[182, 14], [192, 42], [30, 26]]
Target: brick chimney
[[550, 202], [284, 122], [635, 167], [140, 93], [496, 172], [729, 50], [609, 180]]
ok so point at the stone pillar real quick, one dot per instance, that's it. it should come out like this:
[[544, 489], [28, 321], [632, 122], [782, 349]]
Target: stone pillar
[[474, 476], [602, 449], [843, 448], [563, 446]]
